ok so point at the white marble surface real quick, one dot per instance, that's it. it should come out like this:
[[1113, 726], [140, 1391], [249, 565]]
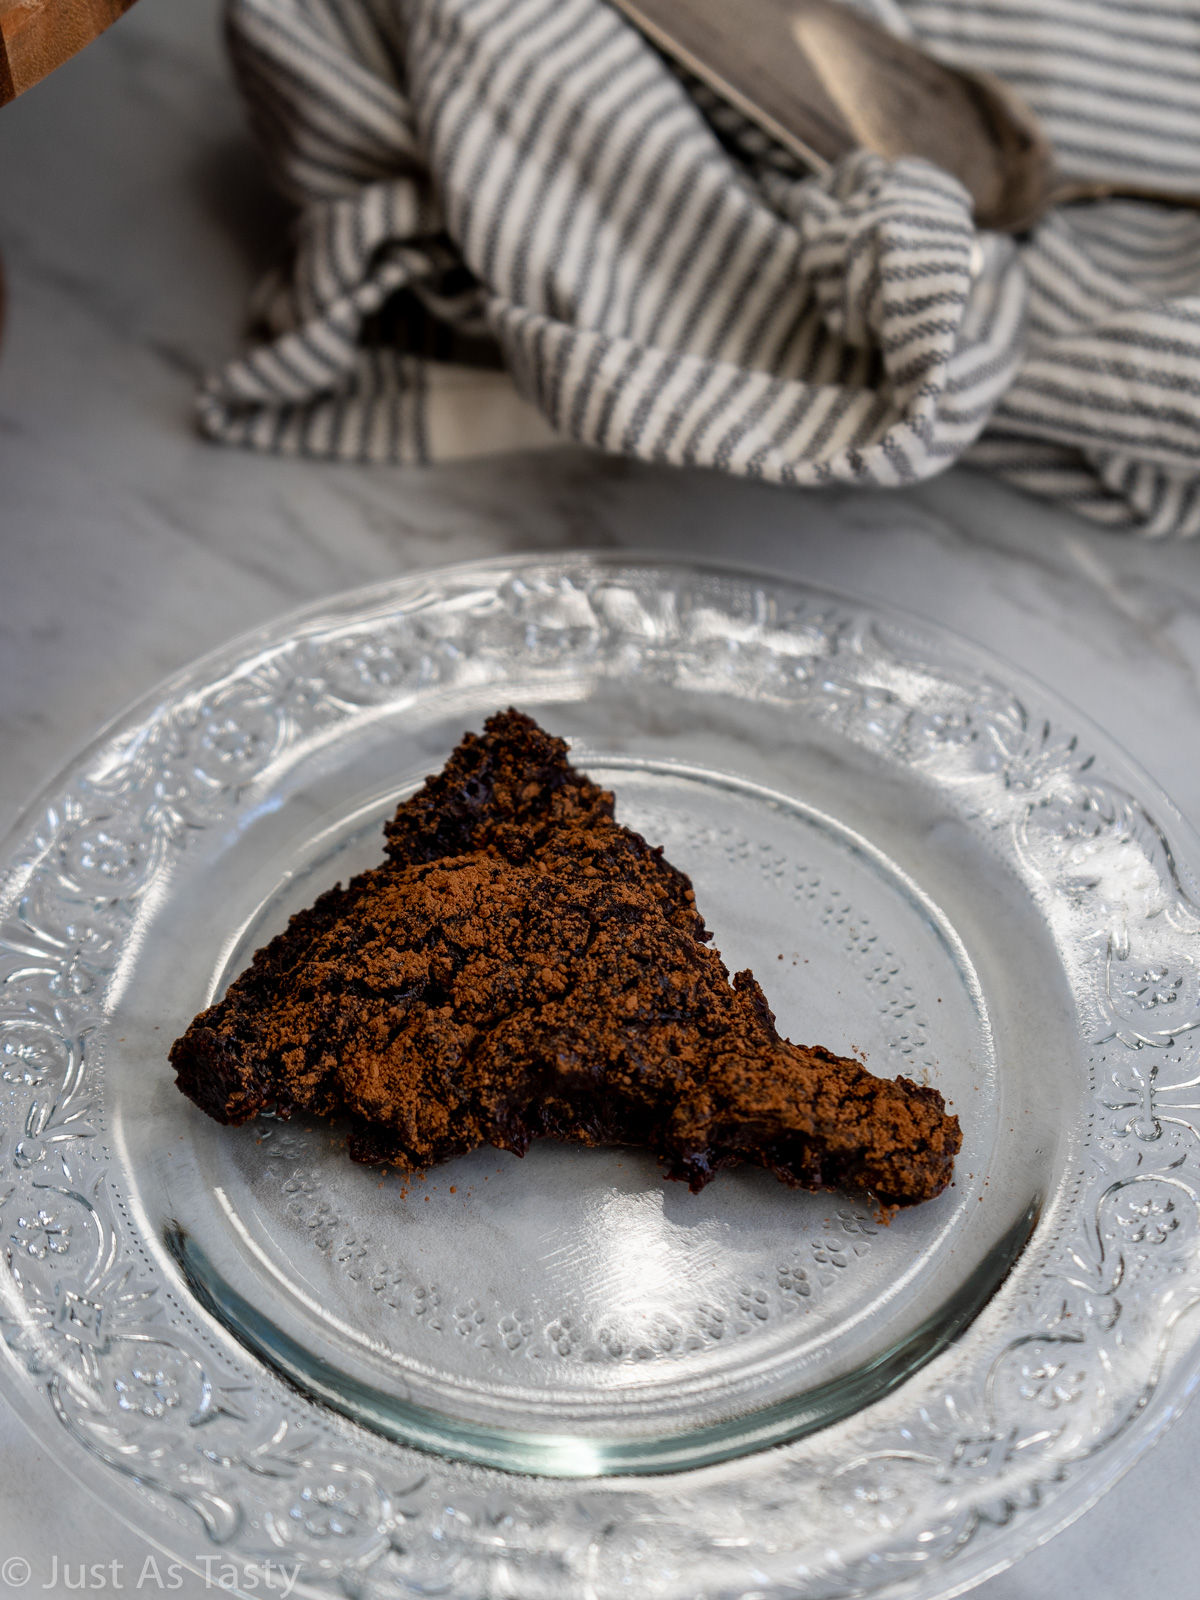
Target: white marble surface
[[133, 216]]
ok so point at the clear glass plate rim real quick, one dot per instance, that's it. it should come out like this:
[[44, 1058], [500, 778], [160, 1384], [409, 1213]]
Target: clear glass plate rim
[[367, 599]]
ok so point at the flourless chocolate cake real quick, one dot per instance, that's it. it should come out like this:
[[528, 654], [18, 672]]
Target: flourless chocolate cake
[[523, 966]]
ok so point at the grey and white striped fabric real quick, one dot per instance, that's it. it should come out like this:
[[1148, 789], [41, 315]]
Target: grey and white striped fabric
[[517, 223]]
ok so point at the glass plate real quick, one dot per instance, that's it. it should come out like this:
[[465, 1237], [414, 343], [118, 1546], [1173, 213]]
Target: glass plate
[[564, 1377]]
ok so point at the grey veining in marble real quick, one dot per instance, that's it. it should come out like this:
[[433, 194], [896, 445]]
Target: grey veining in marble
[[133, 218]]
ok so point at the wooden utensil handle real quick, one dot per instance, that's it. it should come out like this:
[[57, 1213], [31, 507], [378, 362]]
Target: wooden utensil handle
[[1076, 191]]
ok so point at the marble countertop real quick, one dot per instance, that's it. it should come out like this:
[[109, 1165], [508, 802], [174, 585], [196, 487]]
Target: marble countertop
[[134, 215]]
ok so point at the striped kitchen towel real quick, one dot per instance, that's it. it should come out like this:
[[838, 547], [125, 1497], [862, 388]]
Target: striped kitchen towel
[[517, 223]]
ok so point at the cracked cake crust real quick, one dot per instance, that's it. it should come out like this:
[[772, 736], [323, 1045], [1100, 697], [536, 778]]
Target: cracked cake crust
[[521, 966]]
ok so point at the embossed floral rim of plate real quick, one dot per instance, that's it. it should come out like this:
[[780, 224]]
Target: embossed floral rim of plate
[[564, 1376]]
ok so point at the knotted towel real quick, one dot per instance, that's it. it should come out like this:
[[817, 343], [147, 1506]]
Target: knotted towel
[[500, 192]]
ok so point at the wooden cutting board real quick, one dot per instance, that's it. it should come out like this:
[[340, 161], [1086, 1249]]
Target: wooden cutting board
[[38, 35]]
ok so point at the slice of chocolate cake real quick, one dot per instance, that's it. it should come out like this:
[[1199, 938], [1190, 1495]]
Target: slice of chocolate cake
[[523, 966]]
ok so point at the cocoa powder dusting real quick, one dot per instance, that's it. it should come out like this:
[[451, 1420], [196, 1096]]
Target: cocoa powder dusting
[[522, 966]]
